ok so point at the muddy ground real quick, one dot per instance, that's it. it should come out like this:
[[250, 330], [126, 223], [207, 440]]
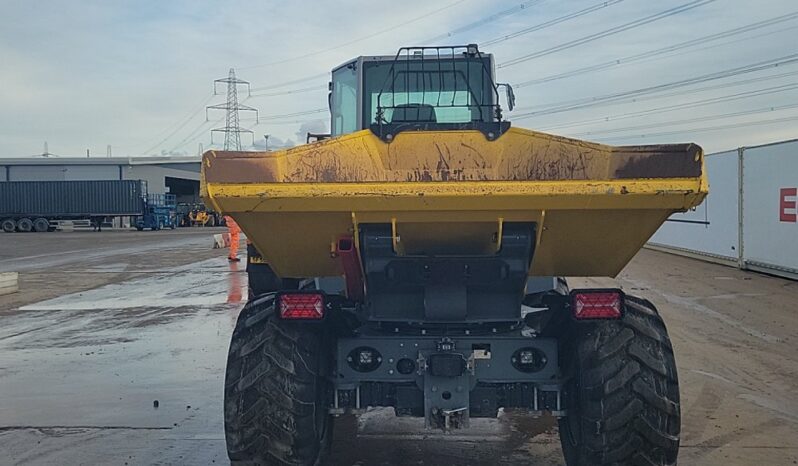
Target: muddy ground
[[107, 323]]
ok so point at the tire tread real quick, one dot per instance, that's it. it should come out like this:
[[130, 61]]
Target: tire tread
[[271, 391], [626, 384]]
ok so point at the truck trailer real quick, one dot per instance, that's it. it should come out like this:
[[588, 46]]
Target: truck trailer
[[36, 206], [415, 259]]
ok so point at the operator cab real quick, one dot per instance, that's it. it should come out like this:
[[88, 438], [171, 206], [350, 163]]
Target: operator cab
[[420, 88]]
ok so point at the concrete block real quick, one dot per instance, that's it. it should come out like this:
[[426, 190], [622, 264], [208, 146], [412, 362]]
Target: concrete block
[[221, 240], [9, 282]]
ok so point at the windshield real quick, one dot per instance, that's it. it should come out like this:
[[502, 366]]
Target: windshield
[[428, 91], [343, 100]]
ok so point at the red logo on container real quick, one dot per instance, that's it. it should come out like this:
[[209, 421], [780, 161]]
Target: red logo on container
[[787, 205]]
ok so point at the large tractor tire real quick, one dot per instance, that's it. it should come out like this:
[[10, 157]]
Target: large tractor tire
[[276, 398], [623, 398], [8, 225], [24, 225]]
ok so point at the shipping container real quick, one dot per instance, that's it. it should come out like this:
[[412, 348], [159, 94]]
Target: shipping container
[[769, 216], [749, 218], [27, 205], [710, 229]]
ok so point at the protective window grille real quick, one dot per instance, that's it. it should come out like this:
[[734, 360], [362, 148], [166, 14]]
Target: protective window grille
[[449, 84]]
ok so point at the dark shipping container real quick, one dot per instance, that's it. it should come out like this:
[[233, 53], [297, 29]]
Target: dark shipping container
[[64, 199]]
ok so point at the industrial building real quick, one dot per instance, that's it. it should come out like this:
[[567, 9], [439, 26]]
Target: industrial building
[[174, 175]]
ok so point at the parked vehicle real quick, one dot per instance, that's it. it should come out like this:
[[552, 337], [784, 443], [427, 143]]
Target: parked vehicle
[[27, 206], [159, 213], [414, 260], [196, 214]]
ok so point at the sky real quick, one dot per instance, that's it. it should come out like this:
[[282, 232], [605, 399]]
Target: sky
[[137, 75]]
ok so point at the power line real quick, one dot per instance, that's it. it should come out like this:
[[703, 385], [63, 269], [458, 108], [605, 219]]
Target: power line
[[661, 51], [193, 135], [292, 122], [291, 91], [687, 121], [713, 87], [486, 20], [552, 22], [180, 126], [704, 129], [200, 132], [359, 39], [493, 17], [289, 115], [684, 106], [620, 96], [608, 32], [293, 81]]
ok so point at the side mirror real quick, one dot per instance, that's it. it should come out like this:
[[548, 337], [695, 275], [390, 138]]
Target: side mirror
[[510, 95]]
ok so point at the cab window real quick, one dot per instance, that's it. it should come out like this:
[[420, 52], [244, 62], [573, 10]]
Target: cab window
[[343, 100]]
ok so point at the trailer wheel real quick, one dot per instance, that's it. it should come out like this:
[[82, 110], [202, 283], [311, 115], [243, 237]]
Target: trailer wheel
[[24, 225], [275, 396], [41, 225], [8, 225], [623, 398]]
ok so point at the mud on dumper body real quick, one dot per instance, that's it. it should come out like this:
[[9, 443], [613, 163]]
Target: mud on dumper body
[[413, 259]]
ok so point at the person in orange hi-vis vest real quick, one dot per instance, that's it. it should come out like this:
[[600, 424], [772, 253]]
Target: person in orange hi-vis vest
[[235, 234]]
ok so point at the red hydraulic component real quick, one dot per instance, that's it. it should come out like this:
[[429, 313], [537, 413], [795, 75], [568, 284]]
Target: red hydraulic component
[[353, 274]]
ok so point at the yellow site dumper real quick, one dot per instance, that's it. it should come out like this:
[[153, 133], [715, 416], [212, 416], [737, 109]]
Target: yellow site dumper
[[414, 257]]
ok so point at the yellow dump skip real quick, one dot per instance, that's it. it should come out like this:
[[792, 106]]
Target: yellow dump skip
[[450, 192]]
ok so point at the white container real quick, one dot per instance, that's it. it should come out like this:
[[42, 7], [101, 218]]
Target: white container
[[770, 208], [762, 233], [710, 229]]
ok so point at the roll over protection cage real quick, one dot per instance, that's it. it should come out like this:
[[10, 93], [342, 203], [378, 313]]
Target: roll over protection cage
[[439, 63]]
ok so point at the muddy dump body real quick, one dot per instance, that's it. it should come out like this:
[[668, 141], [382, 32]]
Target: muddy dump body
[[450, 192], [414, 260]]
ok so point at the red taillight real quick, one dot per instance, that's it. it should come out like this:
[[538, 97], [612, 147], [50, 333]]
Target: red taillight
[[597, 304], [301, 306]]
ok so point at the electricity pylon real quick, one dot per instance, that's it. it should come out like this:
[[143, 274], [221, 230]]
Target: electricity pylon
[[232, 131]]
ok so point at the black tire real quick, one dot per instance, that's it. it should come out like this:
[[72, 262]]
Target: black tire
[[275, 396], [623, 399], [25, 225], [8, 225], [41, 225], [211, 221]]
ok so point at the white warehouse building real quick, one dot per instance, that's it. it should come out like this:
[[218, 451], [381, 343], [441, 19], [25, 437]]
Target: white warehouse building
[[174, 175]]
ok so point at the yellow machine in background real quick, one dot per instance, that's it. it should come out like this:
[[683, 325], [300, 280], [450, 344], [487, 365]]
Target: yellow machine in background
[[200, 218], [197, 215]]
